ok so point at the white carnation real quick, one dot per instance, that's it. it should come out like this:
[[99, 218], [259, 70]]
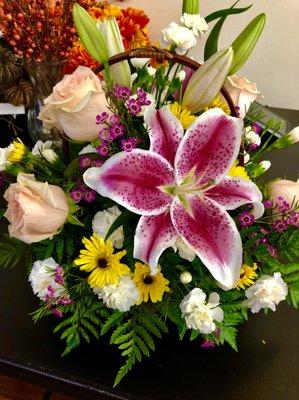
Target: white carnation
[[140, 63], [267, 292], [44, 150], [102, 222], [195, 22], [200, 315], [184, 250], [121, 296], [4, 154], [179, 36], [252, 137], [88, 149], [42, 279]]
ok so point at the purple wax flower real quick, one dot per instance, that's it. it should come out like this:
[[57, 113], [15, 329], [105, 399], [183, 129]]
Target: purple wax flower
[[246, 219], [114, 119], [96, 163], [117, 130], [128, 144], [272, 250], [142, 97], [101, 118], [280, 225], [122, 92], [65, 301], [76, 195], [57, 313], [282, 204], [90, 196], [256, 128], [293, 219], [103, 149], [268, 204], [134, 106], [104, 134], [207, 344], [85, 162], [59, 275]]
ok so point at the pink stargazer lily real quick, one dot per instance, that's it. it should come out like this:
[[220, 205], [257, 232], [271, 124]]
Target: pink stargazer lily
[[180, 187]]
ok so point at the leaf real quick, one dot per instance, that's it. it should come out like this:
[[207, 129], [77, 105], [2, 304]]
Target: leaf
[[211, 45], [124, 218], [225, 12], [73, 220], [111, 321], [90, 327], [229, 334], [125, 369], [12, 251]]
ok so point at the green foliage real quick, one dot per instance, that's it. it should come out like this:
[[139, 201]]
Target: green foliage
[[288, 245], [13, 252], [135, 337], [225, 12]]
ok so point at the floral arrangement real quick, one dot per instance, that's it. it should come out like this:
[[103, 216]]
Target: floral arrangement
[[154, 213]]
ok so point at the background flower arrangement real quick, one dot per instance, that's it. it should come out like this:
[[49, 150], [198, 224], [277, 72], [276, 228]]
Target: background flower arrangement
[[157, 216]]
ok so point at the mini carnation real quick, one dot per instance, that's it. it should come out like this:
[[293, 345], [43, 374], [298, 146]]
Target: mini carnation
[[195, 22], [104, 134], [117, 130], [76, 195], [267, 292], [84, 162], [46, 278], [121, 296], [122, 92], [139, 102], [103, 149], [293, 219], [184, 250], [280, 225], [102, 222], [102, 118], [200, 315], [134, 106], [90, 196], [179, 36], [246, 219]]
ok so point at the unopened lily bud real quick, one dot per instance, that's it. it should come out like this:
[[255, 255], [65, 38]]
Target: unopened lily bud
[[287, 140], [91, 38], [259, 169], [207, 81], [185, 277]]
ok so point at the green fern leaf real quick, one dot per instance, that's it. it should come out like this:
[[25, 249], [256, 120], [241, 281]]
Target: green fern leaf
[[125, 369]]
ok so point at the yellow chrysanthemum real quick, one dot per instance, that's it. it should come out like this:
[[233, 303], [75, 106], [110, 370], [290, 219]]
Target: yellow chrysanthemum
[[149, 286], [247, 275], [140, 39], [99, 259], [219, 102], [18, 152], [238, 172], [183, 115], [104, 10]]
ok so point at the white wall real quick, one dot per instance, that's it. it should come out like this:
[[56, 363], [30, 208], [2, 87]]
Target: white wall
[[275, 63]]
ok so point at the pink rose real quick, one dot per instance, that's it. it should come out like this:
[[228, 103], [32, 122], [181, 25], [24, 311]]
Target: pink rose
[[35, 210], [74, 105], [243, 92], [288, 190]]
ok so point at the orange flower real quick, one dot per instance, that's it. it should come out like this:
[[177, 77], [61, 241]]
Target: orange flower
[[79, 56], [104, 10], [132, 24]]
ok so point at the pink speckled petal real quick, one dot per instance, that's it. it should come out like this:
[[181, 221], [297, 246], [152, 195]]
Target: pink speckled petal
[[234, 192], [212, 234], [209, 147], [133, 180], [153, 235], [165, 132]]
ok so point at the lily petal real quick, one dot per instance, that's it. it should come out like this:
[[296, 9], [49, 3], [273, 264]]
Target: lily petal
[[209, 147], [165, 132], [212, 234], [133, 180], [153, 235], [232, 193]]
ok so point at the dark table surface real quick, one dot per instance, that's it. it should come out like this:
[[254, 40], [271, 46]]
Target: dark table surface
[[265, 368]]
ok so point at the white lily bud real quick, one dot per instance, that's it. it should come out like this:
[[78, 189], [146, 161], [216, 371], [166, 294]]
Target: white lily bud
[[260, 169], [186, 277], [207, 81], [120, 72]]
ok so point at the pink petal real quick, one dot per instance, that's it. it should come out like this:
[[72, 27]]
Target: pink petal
[[212, 234], [153, 235], [209, 147], [133, 180], [165, 132], [234, 192]]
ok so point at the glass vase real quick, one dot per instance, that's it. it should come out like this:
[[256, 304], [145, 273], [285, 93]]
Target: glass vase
[[43, 76]]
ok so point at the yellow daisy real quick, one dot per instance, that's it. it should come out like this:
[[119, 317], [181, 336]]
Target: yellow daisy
[[18, 152], [237, 171], [247, 276], [219, 102], [149, 286], [99, 259], [183, 115]]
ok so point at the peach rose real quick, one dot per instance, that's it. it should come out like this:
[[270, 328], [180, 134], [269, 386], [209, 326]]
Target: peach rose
[[35, 210], [288, 190], [243, 92], [74, 104]]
